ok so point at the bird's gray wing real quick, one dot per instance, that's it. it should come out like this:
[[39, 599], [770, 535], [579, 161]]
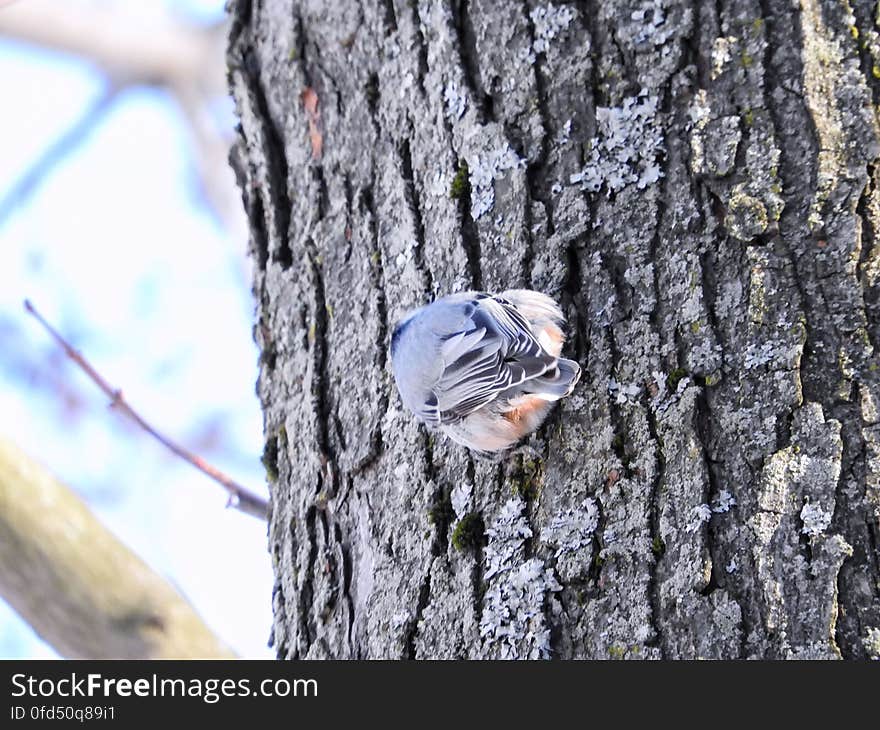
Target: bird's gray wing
[[494, 352]]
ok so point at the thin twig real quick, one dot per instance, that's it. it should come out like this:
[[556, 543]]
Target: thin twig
[[239, 497]]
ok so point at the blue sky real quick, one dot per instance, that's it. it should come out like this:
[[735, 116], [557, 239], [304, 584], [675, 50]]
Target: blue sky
[[116, 247]]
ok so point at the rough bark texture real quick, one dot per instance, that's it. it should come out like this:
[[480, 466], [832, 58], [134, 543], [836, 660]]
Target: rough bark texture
[[696, 183]]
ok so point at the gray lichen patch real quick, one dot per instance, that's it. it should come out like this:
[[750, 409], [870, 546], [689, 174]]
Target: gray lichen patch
[[652, 22], [651, 32], [570, 534], [627, 149], [513, 625], [815, 519], [485, 168], [872, 642], [548, 22]]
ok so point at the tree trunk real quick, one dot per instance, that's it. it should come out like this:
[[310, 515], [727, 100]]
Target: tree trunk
[[696, 184]]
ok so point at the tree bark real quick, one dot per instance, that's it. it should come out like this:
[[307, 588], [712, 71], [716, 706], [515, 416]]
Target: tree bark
[[696, 183]]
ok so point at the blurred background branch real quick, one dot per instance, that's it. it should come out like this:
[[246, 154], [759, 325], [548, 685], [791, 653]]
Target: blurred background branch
[[184, 59], [69, 140], [163, 52], [80, 588]]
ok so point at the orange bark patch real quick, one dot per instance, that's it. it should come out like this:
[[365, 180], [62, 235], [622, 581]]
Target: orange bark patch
[[310, 101]]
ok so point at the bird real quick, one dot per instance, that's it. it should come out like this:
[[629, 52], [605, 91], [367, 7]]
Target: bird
[[485, 369]]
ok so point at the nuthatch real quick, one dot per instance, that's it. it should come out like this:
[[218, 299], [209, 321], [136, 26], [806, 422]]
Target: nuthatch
[[483, 368]]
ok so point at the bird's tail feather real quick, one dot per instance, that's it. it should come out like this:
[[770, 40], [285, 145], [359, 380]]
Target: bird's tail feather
[[556, 383]]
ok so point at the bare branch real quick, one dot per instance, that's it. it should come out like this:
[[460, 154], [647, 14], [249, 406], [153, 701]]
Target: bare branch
[[239, 497], [184, 59]]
